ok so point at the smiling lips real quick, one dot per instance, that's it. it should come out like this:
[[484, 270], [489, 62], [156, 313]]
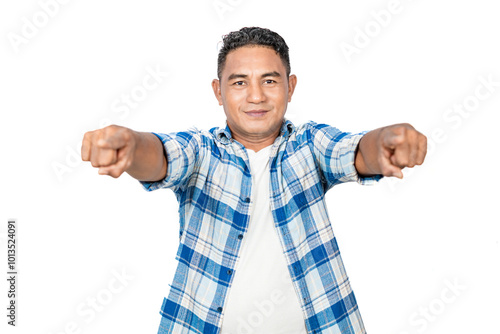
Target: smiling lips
[[256, 113]]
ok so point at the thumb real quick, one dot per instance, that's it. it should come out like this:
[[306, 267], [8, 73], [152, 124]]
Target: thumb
[[388, 168]]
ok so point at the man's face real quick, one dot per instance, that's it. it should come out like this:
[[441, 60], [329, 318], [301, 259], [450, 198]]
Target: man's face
[[254, 91]]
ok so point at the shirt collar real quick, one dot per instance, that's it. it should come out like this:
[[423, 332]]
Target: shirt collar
[[224, 134]]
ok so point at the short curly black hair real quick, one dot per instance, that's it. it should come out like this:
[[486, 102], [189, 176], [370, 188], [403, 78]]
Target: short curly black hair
[[253, 36]]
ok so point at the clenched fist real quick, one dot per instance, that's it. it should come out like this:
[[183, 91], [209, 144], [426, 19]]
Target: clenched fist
[[388, 150], [116, 149]]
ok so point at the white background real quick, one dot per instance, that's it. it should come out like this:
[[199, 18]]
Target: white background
[[404, 243]]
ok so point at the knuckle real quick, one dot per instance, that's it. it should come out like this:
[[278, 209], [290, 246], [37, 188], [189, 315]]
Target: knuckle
[[411, 161], [399, 129], [405, 127], [87, 135], [423, 140], [107, 131], [124, 134], [99, 134], [400, 139], [112, 129], [402, 161], [409, 126], [84, 153]]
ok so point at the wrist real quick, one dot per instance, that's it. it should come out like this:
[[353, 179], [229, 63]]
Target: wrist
[[366, 155]]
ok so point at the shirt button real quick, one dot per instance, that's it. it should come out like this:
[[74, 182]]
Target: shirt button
[[247, 199], [219, 309], [240, 236], [229, 272]]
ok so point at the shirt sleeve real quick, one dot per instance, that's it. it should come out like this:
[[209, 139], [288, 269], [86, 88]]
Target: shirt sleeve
[[335, 153], [182, 151]]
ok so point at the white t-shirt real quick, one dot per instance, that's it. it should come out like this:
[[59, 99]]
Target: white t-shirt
[[262, 298]]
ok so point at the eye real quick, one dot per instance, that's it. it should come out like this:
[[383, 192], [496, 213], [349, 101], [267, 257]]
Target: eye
[[238, 83], [269, 81]]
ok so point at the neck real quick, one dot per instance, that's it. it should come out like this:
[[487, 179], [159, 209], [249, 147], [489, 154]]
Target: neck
[[256, 143]]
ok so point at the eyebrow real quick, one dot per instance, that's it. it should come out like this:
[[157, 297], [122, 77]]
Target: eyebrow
[[244, 76]]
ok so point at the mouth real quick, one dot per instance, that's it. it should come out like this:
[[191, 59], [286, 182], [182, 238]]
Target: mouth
[[256, 113]]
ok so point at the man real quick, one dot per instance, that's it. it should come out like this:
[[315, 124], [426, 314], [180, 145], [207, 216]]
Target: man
[[257, 253]]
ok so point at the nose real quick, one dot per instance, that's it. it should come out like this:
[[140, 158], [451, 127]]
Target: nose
[[255, 93]]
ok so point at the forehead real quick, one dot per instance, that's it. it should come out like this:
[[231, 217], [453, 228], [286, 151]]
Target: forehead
[[253, 59]]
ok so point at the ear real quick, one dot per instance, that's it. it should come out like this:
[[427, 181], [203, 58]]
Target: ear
[[216, 88], [292, 82]]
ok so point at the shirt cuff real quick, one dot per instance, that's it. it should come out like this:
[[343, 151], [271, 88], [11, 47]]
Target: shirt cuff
[[173, 156], [348, 161]]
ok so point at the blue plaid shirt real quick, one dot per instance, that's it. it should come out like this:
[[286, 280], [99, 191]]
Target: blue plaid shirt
[[210, 175]]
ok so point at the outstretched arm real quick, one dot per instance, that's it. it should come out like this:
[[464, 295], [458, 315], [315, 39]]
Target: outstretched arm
[[388, 150], [115, 149]]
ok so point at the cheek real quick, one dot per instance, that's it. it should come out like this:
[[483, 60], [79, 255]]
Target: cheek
[[234, 100], [280, 102], [279, 95]]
